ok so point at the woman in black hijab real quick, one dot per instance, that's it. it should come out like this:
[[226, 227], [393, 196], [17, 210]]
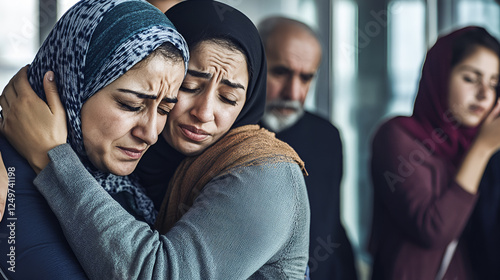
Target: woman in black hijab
[[161, 161], [236, 208]]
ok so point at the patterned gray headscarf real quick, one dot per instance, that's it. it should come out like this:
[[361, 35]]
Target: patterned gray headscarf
[[92, 45]]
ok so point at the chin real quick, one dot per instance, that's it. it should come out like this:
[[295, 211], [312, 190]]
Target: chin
[[190, 149], [123, 169], [192, 152], [471, 123]]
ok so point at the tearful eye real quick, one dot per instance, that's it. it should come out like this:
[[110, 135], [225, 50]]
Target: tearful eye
[[128, 107], [189, 90], [190, 87], [164, 109], [228, 101], [163, 112]]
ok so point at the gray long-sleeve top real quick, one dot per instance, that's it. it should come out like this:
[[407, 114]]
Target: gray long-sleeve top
[[249, 223]]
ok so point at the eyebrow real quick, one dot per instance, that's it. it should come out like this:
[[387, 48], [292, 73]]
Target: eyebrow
[[471, 69], [147, 96], [207, 76], [305, 76], [476, 71]]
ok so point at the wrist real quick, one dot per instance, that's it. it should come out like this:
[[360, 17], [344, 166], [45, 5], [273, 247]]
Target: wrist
[[482, 148], [38, 164]]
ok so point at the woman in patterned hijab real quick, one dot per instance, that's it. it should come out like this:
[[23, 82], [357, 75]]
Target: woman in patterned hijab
[[118, 65], [99, 41]]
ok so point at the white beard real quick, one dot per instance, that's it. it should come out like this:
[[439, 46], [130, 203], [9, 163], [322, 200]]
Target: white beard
[[278, 122]]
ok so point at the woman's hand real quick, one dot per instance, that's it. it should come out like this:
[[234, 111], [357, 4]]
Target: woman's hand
[[484, 146], [489, 134], [30, 125]]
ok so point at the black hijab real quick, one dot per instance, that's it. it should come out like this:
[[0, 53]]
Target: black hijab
[[200, 20]]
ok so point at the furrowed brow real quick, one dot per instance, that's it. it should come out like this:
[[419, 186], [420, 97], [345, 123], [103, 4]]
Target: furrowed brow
[[232, 84], [138, 94], [199, 74]]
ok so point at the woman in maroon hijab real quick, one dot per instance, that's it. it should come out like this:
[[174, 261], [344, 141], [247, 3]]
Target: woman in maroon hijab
[[426, 168]]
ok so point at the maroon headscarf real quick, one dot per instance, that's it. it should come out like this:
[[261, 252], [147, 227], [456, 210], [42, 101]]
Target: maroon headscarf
[[431, 112]]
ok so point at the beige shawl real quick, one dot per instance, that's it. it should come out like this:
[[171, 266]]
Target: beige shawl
[[248, 145]]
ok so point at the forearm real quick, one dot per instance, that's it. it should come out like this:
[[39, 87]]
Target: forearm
[[108, 242], [111, 244]]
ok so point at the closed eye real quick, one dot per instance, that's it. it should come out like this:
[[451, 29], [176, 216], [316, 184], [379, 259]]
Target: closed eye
[[470, 79], [188, 90], [228, 101], [128, 107], [163, 112]]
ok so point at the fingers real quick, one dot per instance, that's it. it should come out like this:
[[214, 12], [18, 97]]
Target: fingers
[[50, 88], [15, 85], [20, 82], [4, 187], [494, 112], [3, 100], [4, 103], [23, 72]]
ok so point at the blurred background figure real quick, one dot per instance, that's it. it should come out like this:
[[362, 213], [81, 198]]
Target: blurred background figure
[[373, 52], [483, 229], [293, 55], [426, 168]]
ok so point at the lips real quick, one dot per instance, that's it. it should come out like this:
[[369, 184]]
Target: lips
[[193, 133], [132, 153], [476, 109]]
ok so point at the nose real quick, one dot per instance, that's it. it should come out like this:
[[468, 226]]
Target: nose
[[292, 89], [203, 107], [148, 127], [483, 89]]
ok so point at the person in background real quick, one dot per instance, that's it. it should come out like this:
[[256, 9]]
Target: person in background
[[484, 227], [426, 168], [293, 55]]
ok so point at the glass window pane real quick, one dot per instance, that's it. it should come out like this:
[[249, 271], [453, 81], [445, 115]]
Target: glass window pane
[[63, 6], [19, 33], [345, 74], [406, 53], [481, 13]]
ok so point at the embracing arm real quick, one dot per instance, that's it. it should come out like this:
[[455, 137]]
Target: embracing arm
[[234, 223], [27, 119]]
